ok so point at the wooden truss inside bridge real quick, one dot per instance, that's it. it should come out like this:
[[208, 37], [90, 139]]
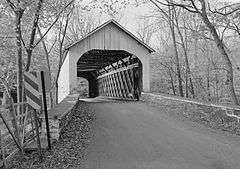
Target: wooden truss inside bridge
[[112, 73]]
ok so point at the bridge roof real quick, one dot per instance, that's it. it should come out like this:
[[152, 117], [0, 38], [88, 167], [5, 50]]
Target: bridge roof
[[121, 28]]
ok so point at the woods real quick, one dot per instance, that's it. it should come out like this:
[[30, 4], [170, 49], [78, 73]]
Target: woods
[[198, 38], [192, 47], [193, 25]]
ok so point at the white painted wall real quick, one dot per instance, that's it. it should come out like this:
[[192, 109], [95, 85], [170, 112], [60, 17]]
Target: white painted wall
[[64, 80], [109, 37]]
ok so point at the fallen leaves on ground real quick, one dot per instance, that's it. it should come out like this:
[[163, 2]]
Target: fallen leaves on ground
[[69, 151]]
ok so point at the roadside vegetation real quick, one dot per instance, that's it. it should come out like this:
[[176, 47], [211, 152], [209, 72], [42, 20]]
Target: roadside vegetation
[[196, 42]]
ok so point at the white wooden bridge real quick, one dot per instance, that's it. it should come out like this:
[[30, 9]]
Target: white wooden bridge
[[112, 59]]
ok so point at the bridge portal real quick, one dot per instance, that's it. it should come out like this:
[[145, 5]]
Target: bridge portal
[[113, 60]]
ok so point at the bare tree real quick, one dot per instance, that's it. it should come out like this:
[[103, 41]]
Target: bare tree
[[30, 47], [145, 30], [62, 32], [19, 8], [200, 7], [47, 54], [18, 11], [169, 15], [80, 24], [185, 51]]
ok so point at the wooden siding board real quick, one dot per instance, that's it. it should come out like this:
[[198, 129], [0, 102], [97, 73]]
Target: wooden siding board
[[108, 41]]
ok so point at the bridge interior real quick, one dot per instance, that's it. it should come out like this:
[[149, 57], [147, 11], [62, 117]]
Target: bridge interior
[[112, 73]]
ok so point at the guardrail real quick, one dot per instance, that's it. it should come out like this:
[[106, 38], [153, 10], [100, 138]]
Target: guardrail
[[229, 109]]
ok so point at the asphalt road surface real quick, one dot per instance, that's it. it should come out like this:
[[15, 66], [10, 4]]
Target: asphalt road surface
[[134, 135]]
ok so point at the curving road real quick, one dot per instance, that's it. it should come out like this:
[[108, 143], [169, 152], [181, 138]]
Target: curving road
[[134, 135]]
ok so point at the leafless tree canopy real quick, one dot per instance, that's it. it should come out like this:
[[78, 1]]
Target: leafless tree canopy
[[196, 41]]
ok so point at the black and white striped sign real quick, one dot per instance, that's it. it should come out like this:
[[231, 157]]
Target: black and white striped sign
[[32, 90]]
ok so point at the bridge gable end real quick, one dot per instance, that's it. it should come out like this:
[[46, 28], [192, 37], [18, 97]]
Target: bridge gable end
[[109, 36]]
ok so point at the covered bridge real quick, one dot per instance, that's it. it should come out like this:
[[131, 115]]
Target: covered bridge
[[114, 61]]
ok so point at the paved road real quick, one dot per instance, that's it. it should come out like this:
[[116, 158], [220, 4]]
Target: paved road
[[134, 135]]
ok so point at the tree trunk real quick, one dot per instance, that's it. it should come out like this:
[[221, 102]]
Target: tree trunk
[[56, 94], [176, 58], [61, 52], [56, 81], [172, 82], [208, 86], [58, 73], [48, 64], [187, 70], [8, 100], [170, 19], [18, 17], [33, 33], [227, 63]]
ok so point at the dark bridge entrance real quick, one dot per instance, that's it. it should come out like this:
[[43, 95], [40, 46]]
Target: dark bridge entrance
[[112, 73]]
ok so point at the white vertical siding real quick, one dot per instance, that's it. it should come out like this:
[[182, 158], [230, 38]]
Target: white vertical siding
[[64, 80]]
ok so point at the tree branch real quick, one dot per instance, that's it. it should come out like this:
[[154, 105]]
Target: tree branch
[[225, 28], [224, 14], [49, 51], [24, 45], [33, 33], [165, 14], [50, 27], [11, 5], [187, 7], [195, 7]]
